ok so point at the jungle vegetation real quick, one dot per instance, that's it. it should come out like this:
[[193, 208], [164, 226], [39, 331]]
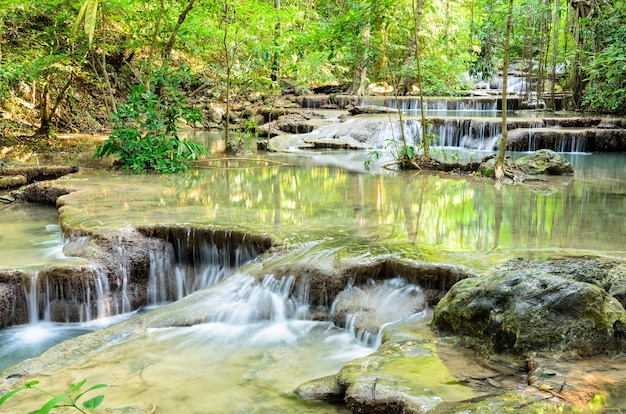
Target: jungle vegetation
[[69, 65]]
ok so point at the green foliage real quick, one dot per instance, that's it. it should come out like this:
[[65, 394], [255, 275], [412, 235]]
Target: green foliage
[[372, 155], [606, 71], [145, 128], [88, 13], [70, 399]]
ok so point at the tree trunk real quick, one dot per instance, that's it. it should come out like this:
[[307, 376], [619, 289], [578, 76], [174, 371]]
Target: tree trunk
[[359, 75], [418, 8], [556, 22], [157, 29], [48, 113], [105, 73], [228, 58], [167, 51], [44, 112], [276, 58], [411, 55], [503, 141]]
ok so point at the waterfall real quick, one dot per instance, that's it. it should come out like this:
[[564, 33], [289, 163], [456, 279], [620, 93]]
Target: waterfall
[[51, 296], [188, 265], [366, 310], [32, 298], [438, 107], [271, 300]]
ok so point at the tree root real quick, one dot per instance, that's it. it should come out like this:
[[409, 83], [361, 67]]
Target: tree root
[[402, 165]]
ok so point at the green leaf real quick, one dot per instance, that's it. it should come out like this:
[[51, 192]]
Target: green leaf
[[46, 408], [10, 394], [94, 402], [77, 386], [89, 14]]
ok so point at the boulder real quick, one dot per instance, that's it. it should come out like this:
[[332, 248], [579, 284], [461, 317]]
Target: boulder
[[405, 375], [12, 181], [545, 162], [215, 114], [519, 310]]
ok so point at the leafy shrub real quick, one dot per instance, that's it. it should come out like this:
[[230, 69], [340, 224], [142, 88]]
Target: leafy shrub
[[145, 128]]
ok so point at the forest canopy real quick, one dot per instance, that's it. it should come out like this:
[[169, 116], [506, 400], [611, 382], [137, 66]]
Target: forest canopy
[[79, 59]]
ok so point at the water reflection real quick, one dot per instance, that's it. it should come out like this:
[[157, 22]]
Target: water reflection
[[455, 214]]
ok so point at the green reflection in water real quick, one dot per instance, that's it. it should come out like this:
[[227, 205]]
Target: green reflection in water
[[433, 215]]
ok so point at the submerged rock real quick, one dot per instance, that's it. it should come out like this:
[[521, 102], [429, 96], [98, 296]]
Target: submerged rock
[[405, 375], [545, 162], [518, 310]]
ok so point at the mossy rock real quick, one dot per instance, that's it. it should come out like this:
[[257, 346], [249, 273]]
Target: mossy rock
[[545, 161], [518, 312]]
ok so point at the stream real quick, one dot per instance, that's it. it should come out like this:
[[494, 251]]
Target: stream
[[260, 341]]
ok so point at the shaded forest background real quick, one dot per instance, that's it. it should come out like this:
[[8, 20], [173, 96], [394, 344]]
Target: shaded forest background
[[68, 65]]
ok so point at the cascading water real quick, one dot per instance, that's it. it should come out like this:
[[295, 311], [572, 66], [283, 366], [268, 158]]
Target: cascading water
[[462, 123], [437, 107], [88, 301], [32, 299], [366, 310], [188, 265], [258, 345]]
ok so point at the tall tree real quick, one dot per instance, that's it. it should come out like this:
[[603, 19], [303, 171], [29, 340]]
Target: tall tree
[[167, 50], [276, 55], [500, 160]]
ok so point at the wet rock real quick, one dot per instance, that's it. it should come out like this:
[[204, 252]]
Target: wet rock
[[497, 403], [405, 375], [370, 109], [607, 274], [320, 101], [616, 283], [284, 102], [7, 199], [66, 294], [215, 114], [43, 193], [39, 172], [481, 85], [322, 389], [328, 270], [12, 181], [12, 177], [270, 130], [292, 123], [606, 140], [487, 167], [296, 123], [612, 123], [533, 310], [545, 162], [13, 308]]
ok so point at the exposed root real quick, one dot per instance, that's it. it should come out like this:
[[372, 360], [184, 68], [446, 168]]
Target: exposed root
[[403, 165]]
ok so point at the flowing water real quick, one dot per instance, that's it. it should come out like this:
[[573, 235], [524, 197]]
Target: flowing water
[[258, 345], [261, 342]]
